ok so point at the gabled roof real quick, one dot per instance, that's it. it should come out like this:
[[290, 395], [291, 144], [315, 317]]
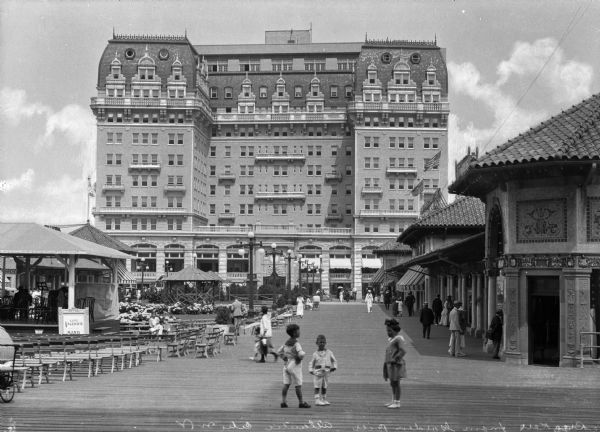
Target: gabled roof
[[572, 134], [392, 247], [21, 239], [192, 273], [571, 137], [93, 234], [464, 214]]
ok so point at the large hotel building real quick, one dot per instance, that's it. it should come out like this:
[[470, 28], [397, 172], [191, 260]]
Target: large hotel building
[[326, 149]]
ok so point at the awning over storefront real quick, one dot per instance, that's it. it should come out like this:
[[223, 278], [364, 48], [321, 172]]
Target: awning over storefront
[[373, 263], [381, 276], [340, 263], [414, 276], [125, 276]]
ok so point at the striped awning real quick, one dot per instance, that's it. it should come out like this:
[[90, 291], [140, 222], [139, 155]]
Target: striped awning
[[381, 276], [124, 275], [414, 276], [373, 263]]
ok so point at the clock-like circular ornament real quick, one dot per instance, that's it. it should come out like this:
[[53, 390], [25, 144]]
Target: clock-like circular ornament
[[386, 58], [129, 53], [415, 58], [163, 54]]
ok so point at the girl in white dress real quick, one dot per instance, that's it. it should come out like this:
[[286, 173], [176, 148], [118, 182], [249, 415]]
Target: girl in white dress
[[300, 306], [369, 301]]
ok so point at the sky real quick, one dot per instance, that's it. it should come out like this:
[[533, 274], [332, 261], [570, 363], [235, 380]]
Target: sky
[[511, 65]]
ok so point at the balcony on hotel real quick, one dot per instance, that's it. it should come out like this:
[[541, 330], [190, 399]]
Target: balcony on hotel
[[144, 166], [371, 190], [333, 176], [388, 213], [401, 170], [279, 157], [113, 188], [290, 196]]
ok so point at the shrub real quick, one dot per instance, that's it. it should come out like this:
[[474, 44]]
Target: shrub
[[222, 315]]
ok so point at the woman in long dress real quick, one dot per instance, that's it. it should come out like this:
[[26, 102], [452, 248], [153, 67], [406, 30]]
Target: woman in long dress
[[300, 306], [369, 301]]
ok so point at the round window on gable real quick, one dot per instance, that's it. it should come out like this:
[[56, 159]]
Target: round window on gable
[[129, 53], [386, 58], [415, 58], [163, 54]]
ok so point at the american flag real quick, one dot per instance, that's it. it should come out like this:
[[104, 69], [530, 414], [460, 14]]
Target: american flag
[[418, 188], [433, 162], [91, 188]]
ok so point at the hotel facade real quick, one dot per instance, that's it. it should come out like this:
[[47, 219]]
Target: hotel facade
[[327, 150]]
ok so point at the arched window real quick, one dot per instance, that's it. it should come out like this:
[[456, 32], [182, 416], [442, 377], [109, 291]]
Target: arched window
[[174, 257], [207, 258], [146, 251]]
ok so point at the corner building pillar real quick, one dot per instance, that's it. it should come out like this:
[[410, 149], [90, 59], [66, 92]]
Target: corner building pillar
[[514, 315], [575, 307]]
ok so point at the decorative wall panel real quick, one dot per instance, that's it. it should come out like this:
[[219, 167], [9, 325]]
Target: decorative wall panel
[[542, 221]]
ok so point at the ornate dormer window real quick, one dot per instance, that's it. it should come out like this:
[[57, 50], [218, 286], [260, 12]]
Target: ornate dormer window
[[176, 84], [115, 81], [315, 98], [401, 88], [431, 87], [246, 99], [372, 87], [146, 83], [281, 98]]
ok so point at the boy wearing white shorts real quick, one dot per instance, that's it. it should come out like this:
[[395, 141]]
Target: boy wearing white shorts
[[292, 354], [322, 364]]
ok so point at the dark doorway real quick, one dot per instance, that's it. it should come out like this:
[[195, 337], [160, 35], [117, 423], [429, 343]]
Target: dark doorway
[[595, 305], [544, 320]]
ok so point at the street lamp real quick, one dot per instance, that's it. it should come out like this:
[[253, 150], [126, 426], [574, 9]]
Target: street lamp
[[289, 257], [167, 267], [252, 243]]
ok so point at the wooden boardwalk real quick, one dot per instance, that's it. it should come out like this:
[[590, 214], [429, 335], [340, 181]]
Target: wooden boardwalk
[[231, 392]]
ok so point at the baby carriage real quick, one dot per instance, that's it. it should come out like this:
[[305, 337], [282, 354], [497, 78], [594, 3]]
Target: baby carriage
[[8, 355]]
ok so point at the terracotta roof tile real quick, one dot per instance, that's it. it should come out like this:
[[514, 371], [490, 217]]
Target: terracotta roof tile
[[573, 134], [93, 234], [463, 212]]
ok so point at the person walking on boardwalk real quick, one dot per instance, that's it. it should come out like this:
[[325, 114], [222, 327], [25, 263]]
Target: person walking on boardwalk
[[369, 301], [236, 311], [266, 333], [394, 367], [437, 306], [292, 354], [410, 303], [426, 319], [300, 306], [448, 305], [387, 298], [323, 362], [495, 332], [454, 345], [462, 323]]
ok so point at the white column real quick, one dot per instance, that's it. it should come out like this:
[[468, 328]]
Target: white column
[[223, 263], [473, 302], [325, 273], [71, 301]]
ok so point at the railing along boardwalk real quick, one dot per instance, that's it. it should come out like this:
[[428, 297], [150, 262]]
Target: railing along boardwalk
[[231, 392]]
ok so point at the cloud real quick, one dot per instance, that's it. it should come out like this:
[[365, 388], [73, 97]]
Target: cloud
[[563, 82], [25, 181], [66, 138], [570, 79], [15, 108], [60, 201]]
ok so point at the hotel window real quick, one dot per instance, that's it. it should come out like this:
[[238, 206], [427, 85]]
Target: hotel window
[[109, 201], [250, 189], [135, 159], [144, 138], [179, 180], [242, 189], [310, 170], [401, 142], [348, 209], [333, 91], [309, 209], [211, 208], [110, 118], [392, 142], [348, 189], [262, 92], [134, 224], [367, 142], [392, 185], [227, 151], [411, 162], [171, 139], [348, 169], [135, 180], [298, 91], [348, 91], [426, 142], [170, 180], [375, 142], [411, 205], [109, 159], [435, 143], [411, 142], [153, 224], [214, 92], [109, 180], [213, 151], [118, 159], [179, 223], [213, 170], [119, 118], [118, 180], [392, 162], [108, 224], [170, 224], [250, 151], [180, 139], [400, 184], [228, 93], [411, 122], [334, 151], [134, 201], [213, 189], [318, 150], [144, 180], [154, 118], [109, 138], [154, 139], [171, 159], [348, 151], [242, 170], [152, 201], [250, 170], [367, 162]]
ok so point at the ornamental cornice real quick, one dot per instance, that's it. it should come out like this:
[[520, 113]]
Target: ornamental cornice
[[557, 261]]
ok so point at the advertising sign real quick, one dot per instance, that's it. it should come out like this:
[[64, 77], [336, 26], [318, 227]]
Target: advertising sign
[[73, 321]]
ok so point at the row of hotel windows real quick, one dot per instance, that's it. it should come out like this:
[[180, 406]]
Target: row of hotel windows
[[373, 163], [402, 184], [298, 92], [144, 201], [143, 159], [428, 122], [118, 118], [119, 92], [280, 65], [402, 142], [143, 180], [143, 224], [310, 131], [248, 151], [278, 170], [394, 204], [175, 224], [116, 138]]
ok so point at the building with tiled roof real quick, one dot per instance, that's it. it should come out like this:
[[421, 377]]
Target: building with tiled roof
[[466, 215], [91, 233], [314, 146], [542, 259]]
